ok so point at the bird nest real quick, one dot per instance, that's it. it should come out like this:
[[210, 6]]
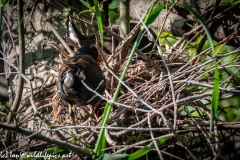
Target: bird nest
[[166, 98]]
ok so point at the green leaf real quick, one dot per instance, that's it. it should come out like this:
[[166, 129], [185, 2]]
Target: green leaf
[[202, 23], [114, 4], [139, 153], [214, 103], [113, 16], [154, 13], [3, 2], [66, 11], [143, 151], [163, 140], [99, 20], [113, 157], [58, 150], [85, 11], [215, 96], [85, 4]]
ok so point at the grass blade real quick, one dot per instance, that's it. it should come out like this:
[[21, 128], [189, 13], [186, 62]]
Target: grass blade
[[99, 20], [141, 152], [215, 96], [216, 80], [101, 140]]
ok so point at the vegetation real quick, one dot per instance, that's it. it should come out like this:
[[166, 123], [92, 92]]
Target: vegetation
[[167, 96]]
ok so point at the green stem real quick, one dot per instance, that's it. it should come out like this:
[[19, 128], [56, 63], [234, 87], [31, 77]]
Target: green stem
[[109, 105]]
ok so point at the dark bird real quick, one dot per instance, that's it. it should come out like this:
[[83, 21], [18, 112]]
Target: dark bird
[[78, 72]]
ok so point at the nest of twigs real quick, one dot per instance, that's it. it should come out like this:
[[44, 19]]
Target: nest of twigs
[[166, 103]]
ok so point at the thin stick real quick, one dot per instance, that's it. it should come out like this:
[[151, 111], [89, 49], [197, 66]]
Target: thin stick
[[55, 32]]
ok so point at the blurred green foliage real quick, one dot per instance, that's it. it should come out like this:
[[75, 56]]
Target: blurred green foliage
[[113, 11]]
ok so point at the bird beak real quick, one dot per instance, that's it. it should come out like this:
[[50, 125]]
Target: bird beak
[[99, 60]]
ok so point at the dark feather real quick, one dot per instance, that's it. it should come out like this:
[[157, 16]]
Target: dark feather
[[82, 67]]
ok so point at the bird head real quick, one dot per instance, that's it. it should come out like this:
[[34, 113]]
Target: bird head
[[91, 51], [88, 50]]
